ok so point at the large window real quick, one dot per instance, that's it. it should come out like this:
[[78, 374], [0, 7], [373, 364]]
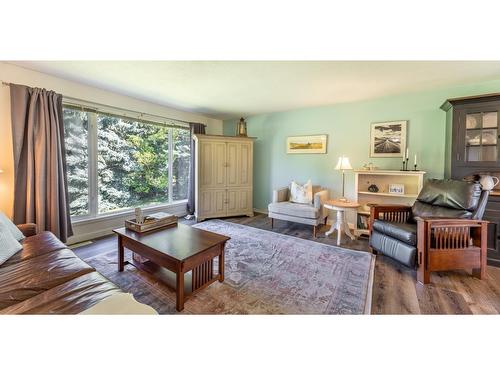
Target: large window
[[76, 133], [116, 162]]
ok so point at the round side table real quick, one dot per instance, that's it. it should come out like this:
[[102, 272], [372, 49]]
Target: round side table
[[341, 224]]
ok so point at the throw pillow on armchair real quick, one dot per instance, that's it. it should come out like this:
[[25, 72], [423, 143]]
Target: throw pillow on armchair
[[301, 193]]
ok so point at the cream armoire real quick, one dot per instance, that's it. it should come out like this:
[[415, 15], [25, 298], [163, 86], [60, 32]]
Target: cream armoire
[[224, 176]]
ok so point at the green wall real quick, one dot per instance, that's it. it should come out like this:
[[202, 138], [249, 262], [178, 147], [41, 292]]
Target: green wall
[[348, 128]]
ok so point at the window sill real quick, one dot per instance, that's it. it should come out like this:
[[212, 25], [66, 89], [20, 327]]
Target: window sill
[[127, 213]]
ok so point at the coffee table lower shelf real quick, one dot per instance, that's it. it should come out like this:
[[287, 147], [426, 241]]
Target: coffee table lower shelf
[[168, 278]]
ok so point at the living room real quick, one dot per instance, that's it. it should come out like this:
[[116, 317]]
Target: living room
[[311, 197]]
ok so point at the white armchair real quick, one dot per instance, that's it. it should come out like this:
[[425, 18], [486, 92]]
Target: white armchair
[[312, 214]]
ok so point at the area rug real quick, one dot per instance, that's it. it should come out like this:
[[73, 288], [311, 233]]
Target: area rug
[[265, 273]]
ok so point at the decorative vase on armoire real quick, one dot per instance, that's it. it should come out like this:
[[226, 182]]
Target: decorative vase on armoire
[[224, 176]]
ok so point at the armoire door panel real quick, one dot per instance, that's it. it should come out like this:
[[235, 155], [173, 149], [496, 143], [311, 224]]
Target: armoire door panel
[[232, 163], [244, 200], [206, 162], [212, 203], [232, 202], [239, 201], [212, 158], [220, 164], [245, 164], [220, 202], [205, 203], [239, 164]]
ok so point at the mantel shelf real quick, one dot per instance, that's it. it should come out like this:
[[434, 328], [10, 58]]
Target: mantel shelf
[[388, 172]]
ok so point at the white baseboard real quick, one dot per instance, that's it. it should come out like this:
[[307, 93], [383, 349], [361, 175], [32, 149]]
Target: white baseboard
[[260, 211]]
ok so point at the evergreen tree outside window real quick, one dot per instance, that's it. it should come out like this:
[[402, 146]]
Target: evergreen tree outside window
[[76, 135], [180, 163], [134, 163]]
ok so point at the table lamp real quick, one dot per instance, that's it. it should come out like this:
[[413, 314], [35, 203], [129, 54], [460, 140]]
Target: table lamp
[[343, 164]]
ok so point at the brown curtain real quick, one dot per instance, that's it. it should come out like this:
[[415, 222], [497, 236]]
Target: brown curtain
[[195, 129], [41, 189]]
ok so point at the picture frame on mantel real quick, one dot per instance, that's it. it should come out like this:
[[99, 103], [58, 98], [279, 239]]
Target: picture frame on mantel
[[388, 139], [306, 144]]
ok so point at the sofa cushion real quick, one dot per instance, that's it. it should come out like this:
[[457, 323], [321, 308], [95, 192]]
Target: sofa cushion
[[405, 232], [23, 280], [18, 235], [402, 252], [39, 244], [294, 209], [8, 244], [70, 297], [453, 194]]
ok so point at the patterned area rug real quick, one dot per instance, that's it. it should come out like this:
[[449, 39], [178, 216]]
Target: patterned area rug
[[265, 273]]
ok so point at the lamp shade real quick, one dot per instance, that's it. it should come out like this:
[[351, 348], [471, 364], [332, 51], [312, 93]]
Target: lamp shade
[[1, 170], [343, 163]]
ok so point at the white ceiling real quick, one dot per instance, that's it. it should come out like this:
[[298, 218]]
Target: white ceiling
[[229, 89]]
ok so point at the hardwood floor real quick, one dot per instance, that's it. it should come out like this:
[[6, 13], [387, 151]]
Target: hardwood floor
[[395, 290]]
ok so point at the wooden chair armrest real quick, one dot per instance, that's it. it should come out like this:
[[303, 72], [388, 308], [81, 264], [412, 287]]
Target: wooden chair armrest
[[450, 234], [377, 209], [28, 229], [449, 221]]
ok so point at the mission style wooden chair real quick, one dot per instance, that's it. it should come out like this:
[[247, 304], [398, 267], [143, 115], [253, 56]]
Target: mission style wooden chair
[[442, 231]]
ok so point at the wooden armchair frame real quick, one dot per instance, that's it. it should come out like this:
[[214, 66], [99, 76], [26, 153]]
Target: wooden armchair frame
[[443, 244]]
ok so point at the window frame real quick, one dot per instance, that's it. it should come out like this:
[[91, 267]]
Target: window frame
[[92, 144]]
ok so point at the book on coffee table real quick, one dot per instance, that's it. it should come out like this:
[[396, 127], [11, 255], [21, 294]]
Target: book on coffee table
[[152, 221]]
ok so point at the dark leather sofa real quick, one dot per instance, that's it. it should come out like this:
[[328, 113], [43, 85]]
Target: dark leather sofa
[[46, 277], [394, 229]]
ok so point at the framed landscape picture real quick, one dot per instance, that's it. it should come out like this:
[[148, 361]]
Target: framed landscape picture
[[388, 139], [306, 144]]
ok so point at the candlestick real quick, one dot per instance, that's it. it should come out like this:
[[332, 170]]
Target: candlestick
[[404, 169], [415, 167]]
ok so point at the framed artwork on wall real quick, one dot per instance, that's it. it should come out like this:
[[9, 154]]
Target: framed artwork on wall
[[388, 139], [306, 144]]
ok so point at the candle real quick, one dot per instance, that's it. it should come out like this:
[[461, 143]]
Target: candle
[[139, 219], [407, 153], [415, 159]]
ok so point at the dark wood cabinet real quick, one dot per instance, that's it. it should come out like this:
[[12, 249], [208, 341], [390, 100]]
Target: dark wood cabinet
[[492, 214], [477, 133], [473, 129]]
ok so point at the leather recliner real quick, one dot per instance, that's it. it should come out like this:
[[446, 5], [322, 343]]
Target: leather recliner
[[438, 199]]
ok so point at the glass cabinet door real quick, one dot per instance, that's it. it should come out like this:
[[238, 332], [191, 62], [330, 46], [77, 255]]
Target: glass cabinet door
[[481, 137]]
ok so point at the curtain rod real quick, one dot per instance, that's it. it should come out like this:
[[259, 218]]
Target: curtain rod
[[110, 106], [68, 99]]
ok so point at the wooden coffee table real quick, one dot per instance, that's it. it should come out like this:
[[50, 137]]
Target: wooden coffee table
[[173, 252]]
